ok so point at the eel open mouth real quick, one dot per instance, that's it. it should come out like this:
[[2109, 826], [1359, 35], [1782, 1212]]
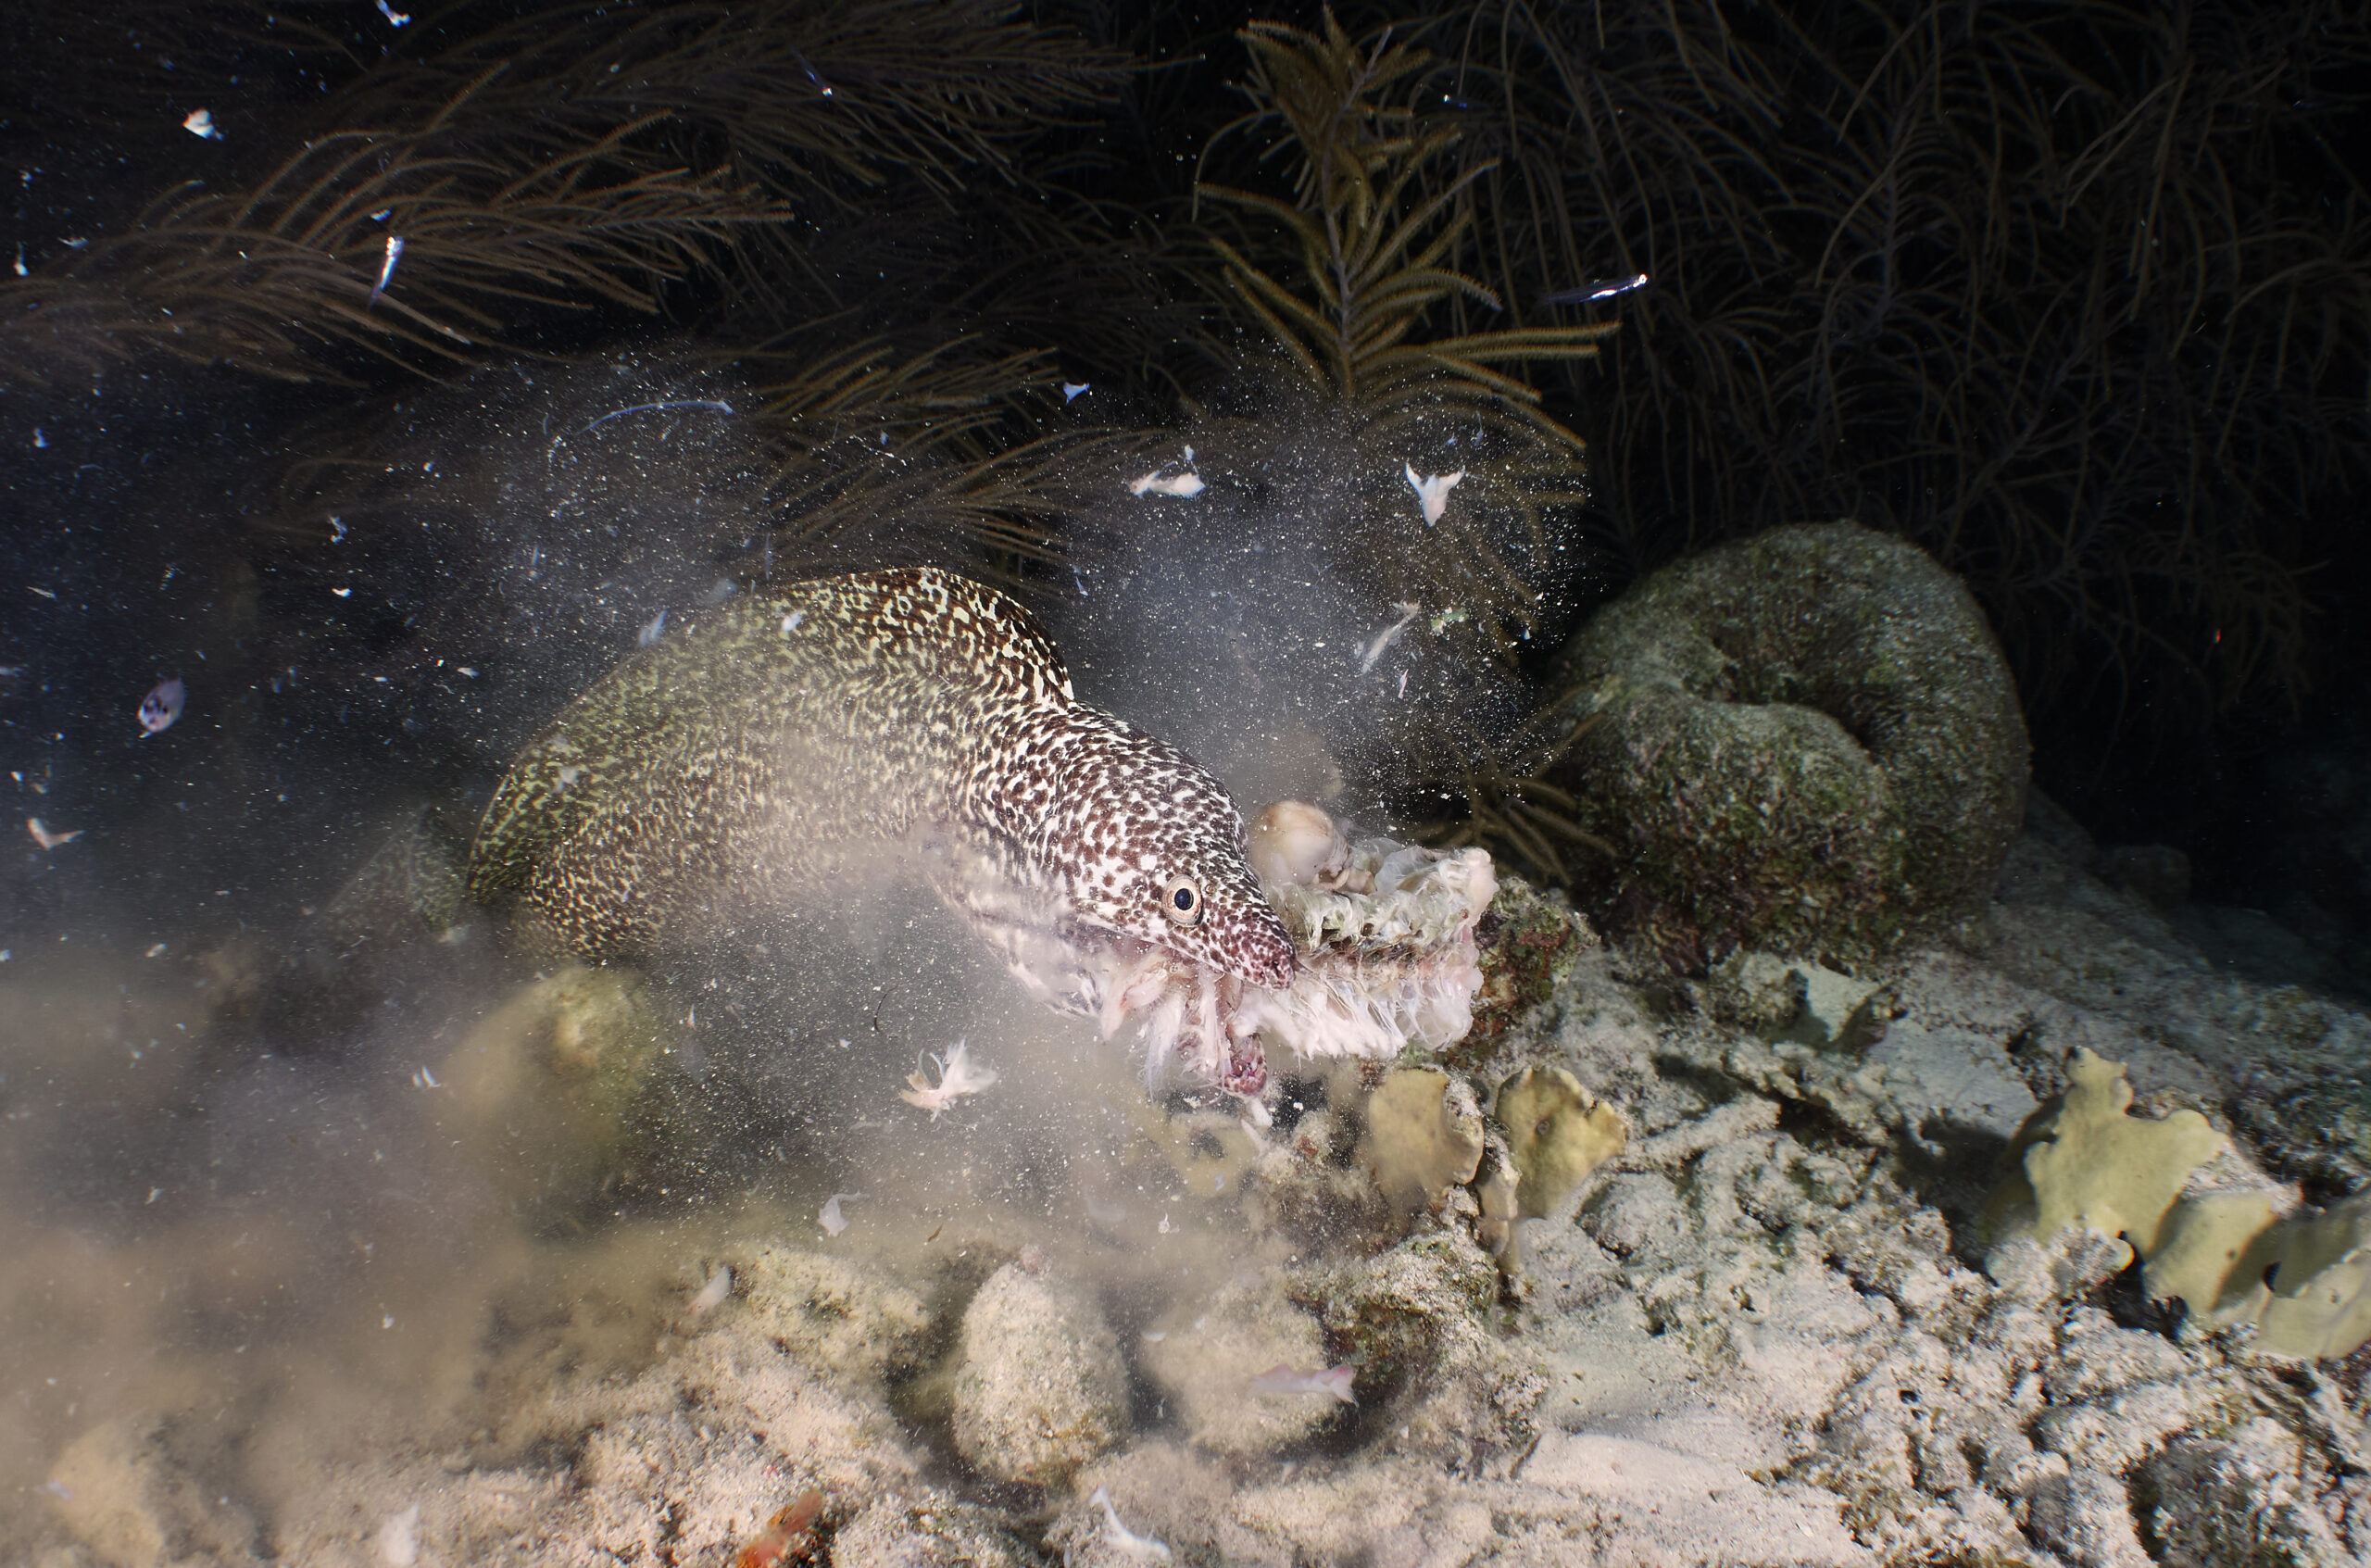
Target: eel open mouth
[[1384, 933]]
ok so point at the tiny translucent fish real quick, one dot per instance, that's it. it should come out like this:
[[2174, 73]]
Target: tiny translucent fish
[[1140, 1549], [831, 1219], [1432, 490], [386, 269], [161, 706], [46, 839], [1374, 648], [200, 124], [1334, 1382], [651, 630], [957, 1076], [1070, 389], [1589, 294]]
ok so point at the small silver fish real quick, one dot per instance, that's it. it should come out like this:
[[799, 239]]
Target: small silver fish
[[1589, 294], [161, 706], [394, 254], [1333, 1382]]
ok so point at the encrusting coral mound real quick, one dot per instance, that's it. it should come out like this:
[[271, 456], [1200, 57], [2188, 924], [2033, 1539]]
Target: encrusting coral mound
[[1807, 741]]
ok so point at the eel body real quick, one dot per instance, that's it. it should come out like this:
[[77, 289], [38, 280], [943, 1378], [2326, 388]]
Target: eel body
[[749, 762]]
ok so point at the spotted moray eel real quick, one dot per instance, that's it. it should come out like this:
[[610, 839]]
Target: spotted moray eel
[[741, 765]]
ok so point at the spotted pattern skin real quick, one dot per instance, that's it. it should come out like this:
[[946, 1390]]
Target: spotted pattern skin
[[745, 763]]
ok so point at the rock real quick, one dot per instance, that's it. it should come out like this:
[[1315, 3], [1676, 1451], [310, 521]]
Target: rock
[[848, 1323], [1807, 741], [936, 1532], [2238, 1502], [1041, 1388], [1202, 1354], [2084, 1516], [1420, 1322], [128, 1494], [542, 1090]]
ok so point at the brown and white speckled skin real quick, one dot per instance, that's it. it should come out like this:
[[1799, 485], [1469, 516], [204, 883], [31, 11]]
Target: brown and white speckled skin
[[747, 762]]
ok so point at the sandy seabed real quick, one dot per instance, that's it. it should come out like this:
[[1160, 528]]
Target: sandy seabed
[[269, 1309]]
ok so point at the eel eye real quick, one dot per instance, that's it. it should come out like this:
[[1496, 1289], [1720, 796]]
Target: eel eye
[[1181, 901]]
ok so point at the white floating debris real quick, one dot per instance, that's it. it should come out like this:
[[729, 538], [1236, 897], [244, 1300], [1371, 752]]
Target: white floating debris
[[469, 670], [49, 840], [1071, 390], [1141, 1549], [161, 706], [831, 1220], [424, 1079], [1432, 490], [201, 125], [792, 622], [343, 593], [1161, 481], [399, 1535], [719, 1286], [40, 441], [157, 951], [957, 1076], [395, 19], [651, 630], [1158, 483]]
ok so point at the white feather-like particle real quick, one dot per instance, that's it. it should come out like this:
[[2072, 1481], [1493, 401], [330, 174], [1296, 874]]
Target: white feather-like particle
[[1432, 490], [957, 1076]]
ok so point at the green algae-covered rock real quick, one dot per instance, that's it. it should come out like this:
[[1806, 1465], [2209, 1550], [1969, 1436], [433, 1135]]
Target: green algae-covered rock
[[1807, 741]]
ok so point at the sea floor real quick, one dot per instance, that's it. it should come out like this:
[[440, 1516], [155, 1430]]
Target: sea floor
[[346, 1312]]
